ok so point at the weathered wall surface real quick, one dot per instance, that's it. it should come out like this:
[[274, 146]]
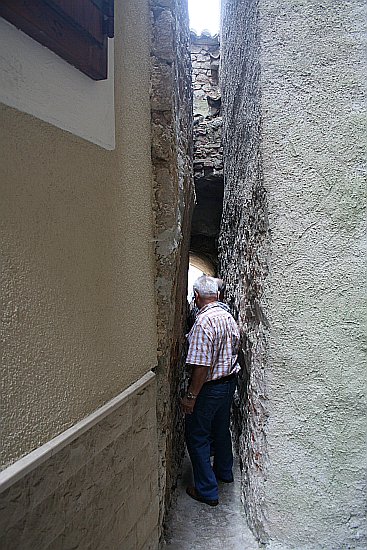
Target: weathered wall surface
[[208, 156], [208, 150], [244, 238], [94, 486], [314, 153], [171, 112], [77, 269], [304, 81], [205, 72]]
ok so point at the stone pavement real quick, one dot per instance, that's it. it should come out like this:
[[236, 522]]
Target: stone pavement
[[195, 526]]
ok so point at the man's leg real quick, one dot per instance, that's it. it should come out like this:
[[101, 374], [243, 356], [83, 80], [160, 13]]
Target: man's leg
[[223, 456], [198, 434]]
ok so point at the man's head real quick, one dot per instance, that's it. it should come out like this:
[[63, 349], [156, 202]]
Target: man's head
[[205, 290]]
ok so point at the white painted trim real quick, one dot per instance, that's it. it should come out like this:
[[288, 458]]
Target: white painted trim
[[35, 80], [23, 466]]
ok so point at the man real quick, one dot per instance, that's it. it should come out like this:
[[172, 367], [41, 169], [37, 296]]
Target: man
[[213, 348], [194, 310]]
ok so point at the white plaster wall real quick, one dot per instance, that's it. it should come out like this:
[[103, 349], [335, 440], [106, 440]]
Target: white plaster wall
[[35, 80], [314, 157]]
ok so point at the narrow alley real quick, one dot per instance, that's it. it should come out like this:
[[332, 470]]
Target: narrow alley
[[134, 144], [195, 526]]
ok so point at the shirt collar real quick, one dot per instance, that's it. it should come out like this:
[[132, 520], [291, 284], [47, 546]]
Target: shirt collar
[[208, 306]]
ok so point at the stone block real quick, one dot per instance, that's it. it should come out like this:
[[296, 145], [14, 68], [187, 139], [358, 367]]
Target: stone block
[[87, 491], [203, 66], [195, 49], [11, 536], [143, 493], [91, 520], [142, 438], [147, 528], [45, 522], [201, 78], [111, 427], [161, 86], [163, 36], [14, 503], [145, 460], [143, 402], [152, 542], [129, 540]]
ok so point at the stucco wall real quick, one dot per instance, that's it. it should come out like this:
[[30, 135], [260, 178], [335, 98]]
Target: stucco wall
[[77, 279], [296, 163], [314, 152]]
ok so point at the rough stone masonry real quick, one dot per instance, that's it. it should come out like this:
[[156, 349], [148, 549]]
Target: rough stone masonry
[[208, 150], [292, 247], [171, 126]]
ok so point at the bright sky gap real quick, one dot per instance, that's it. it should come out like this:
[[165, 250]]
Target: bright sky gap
[[204, 15]]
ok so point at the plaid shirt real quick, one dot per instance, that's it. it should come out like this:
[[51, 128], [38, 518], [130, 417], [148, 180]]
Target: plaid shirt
[[214, 342]]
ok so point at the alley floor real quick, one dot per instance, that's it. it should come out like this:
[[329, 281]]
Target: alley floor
[[195, 526]]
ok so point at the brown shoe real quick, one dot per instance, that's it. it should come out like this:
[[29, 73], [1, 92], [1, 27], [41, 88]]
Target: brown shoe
[[192, 492]]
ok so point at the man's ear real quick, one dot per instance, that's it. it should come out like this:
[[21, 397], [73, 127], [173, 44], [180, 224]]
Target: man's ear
[[196, 294]]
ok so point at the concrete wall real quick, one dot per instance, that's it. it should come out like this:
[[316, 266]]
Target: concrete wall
[[92, 487], [171, 116], [77, 281], [295, 82]]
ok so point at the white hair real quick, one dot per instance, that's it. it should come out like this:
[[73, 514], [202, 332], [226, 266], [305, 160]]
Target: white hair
[[206, 286]]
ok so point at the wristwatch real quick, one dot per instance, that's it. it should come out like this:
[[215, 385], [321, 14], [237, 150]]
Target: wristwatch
[[190, 395]]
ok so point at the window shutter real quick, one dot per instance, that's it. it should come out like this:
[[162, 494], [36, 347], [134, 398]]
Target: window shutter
[[76, 30]]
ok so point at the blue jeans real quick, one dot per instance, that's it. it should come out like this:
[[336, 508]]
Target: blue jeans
[[210, 420]]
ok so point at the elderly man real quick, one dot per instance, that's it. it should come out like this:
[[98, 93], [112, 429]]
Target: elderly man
[[213, 348]]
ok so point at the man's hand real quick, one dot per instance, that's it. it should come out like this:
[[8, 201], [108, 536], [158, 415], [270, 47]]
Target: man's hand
[[198, 377], [187, 405]]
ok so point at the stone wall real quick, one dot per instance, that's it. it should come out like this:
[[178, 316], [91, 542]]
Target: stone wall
[[205, 71], [244, 241], [171, 116], [92, 487], [208, 150], [294, 77]]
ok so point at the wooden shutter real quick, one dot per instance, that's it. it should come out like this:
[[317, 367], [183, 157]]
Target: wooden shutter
[[76, 30]]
